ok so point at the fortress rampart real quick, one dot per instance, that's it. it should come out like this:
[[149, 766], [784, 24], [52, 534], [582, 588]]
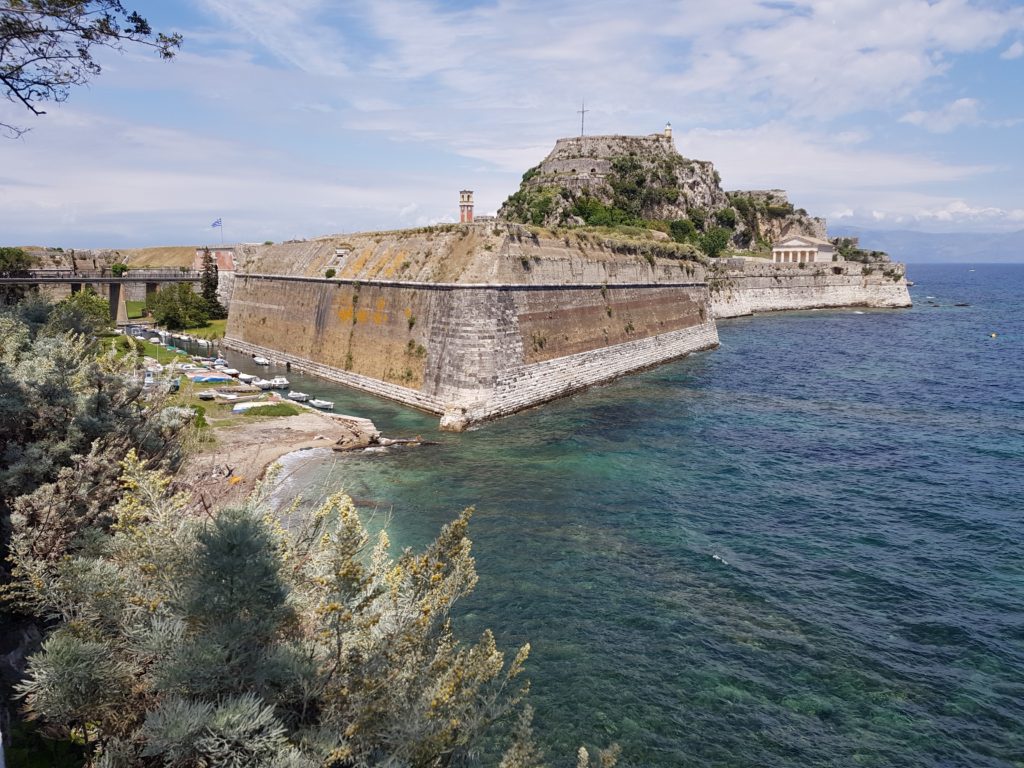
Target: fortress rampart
[[469, 352], [478, 321], [745, 287]]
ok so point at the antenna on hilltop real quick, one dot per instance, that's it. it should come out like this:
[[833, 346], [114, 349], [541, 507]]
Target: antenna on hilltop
[[582, 111]]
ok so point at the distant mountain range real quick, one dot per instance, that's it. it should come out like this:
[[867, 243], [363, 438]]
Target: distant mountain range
[[908, 246]]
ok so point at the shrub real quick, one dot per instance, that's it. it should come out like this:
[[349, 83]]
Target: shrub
[[714, 241], [726, 218], [682, 230], [330, 272]]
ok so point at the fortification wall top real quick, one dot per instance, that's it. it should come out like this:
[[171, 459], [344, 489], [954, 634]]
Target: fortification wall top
[[486, 252]]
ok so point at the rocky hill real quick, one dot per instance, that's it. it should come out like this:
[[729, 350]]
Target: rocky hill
[[643, 181]]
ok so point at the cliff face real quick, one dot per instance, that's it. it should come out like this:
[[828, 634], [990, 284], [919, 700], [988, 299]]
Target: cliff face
[[644, 181], [766, 216]]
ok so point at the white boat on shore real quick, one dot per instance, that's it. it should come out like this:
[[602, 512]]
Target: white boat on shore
[[323, 405], [299, 397], [279, 382], [247, 377], [230, 371], [260, 360], [261, 383]]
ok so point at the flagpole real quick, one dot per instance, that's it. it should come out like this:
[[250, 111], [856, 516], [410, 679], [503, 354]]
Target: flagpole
[[222, 231]]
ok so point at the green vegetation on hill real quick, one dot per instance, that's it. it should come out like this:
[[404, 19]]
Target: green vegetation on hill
[[849, 249], [642, 182]]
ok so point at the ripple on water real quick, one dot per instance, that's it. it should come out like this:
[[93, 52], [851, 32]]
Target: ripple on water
[[858, 474]]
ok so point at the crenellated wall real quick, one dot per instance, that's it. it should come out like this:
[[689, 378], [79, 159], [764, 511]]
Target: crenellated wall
[[745, 287]]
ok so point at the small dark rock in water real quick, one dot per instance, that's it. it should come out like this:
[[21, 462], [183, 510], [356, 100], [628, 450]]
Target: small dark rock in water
[[962, 304]]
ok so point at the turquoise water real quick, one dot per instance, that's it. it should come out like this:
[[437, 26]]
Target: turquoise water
[[803, 548]]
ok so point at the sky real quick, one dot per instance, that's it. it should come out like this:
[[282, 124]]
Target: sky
[[309, 117]]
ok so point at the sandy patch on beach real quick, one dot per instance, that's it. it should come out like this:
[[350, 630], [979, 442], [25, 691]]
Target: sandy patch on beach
[[228, 470]]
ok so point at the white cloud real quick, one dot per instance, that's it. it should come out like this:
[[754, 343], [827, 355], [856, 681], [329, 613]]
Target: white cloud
[[1015, 51], [946, 119], [301, 116]]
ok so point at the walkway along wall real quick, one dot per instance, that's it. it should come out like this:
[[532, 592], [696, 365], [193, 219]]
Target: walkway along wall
[[469, 352]]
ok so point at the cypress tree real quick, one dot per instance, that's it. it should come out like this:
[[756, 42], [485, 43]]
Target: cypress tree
[[216, 310]]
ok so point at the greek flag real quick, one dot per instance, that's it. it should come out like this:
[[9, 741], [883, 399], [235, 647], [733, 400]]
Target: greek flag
[[217, 223]]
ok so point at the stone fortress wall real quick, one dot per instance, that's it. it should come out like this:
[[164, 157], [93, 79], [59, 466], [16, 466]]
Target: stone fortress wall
[[474, 322], [743, 287], [551, 315]]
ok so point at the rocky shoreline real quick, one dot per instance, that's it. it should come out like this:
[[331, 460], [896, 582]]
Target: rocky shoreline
[[228, 469]]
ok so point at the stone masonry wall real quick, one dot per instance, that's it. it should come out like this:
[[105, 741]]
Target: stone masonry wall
[[742, 289], [472, 352]]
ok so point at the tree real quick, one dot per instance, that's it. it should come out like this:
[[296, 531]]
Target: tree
[[46, 46], [682, 230], [714, 241], [177, 306], [83, 312], [185, 640], [14, 262], [208, 287]]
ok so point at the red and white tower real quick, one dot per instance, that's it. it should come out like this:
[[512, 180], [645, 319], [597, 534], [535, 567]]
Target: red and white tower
[[466, 206]]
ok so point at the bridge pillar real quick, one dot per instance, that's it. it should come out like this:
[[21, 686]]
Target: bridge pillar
[[118, 307], [151, 289]]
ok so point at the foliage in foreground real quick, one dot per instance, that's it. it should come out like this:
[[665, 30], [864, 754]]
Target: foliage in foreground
[[229, 640], [47, 46], [67, 418]]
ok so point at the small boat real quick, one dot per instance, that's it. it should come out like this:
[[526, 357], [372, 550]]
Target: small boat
[[260, 360], [206, 395], [261, 383], [299, 397], [279, 382], [324, 405], [154, 340], [230, 371], [246, 377], [202, 342], [220, 361]]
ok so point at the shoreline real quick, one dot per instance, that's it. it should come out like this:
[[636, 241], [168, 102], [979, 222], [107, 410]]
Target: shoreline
[[228, 470]]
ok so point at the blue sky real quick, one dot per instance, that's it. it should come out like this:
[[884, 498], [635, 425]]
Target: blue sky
[[295, 119]]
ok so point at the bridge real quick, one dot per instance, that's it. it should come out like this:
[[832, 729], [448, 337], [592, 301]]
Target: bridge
[[76, 278]]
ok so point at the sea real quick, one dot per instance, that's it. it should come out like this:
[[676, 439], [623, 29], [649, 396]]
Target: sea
[[804, 548]]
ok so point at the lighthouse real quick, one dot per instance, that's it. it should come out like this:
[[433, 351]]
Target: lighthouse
[[466, 206]]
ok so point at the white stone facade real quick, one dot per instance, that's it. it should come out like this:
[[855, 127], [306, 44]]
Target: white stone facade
[[802, 248]]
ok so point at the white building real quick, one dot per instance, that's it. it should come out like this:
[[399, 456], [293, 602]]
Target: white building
[[797, 248]]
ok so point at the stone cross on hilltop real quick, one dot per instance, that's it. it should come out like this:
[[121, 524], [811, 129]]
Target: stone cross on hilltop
[[582, 112]]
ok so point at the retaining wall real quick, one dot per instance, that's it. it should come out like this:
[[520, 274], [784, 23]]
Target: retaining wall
[[745, 288]]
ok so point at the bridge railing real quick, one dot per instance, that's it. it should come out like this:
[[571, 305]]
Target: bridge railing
[[132, 275]]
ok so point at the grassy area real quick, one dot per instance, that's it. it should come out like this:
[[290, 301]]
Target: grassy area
[[136, 309], [212, 330], [162, 355], [277, 409]]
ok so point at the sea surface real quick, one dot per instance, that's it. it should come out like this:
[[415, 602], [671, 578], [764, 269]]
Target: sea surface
[[805, 548]]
